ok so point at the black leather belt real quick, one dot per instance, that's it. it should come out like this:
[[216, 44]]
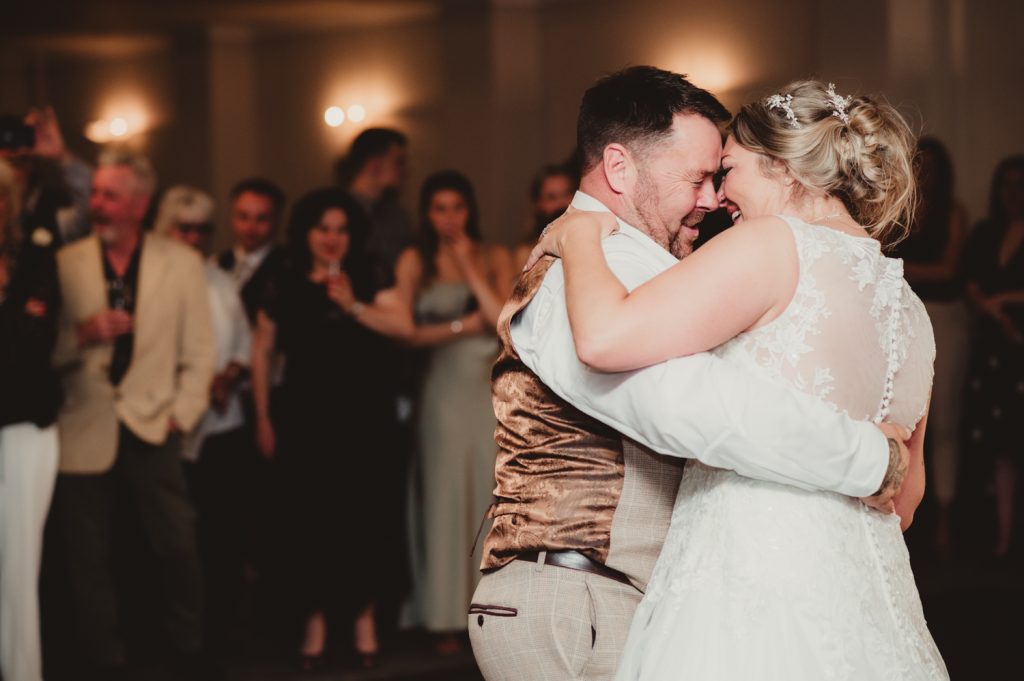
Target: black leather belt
[[574, 560]]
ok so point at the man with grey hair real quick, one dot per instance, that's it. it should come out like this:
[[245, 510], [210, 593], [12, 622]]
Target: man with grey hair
[[136, 353]]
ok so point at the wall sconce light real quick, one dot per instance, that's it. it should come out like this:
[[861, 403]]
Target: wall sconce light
[[334, 116], [118, 127], [115, 129], [356, 113]]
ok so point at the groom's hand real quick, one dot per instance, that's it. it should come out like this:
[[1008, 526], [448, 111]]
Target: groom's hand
[[899, 461]]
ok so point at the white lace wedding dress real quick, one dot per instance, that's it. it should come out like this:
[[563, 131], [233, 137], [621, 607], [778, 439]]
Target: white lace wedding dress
[[759, 581]]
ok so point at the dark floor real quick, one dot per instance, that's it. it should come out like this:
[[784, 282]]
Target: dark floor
[[974, 606], [973, 603], [410, 658], [975, 611]]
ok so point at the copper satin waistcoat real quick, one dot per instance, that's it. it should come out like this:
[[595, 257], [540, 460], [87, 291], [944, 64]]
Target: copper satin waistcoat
[[561, 475]]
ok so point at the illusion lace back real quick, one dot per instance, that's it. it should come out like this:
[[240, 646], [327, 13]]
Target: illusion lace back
[[762, 581]]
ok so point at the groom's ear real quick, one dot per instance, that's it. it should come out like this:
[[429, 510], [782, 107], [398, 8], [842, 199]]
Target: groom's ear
[[618, 168]]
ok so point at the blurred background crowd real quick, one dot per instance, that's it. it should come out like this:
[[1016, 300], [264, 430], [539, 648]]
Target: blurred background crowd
[[316, 396], [251, 402]]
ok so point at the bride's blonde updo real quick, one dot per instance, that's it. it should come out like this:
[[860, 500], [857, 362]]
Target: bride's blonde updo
[[858, 149]]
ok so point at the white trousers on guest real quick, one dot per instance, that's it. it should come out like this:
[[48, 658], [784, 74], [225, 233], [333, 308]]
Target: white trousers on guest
[[28, 470]]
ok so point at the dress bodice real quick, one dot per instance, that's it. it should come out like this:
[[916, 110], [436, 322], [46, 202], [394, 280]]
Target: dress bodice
[[331, 359], [443, 301], [854, 334]]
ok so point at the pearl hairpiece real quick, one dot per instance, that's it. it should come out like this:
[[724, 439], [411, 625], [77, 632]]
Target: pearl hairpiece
[[838, 104], [786, 104]]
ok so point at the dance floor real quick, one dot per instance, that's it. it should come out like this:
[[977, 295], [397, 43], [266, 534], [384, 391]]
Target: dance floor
[[975, 610], [974, 606]]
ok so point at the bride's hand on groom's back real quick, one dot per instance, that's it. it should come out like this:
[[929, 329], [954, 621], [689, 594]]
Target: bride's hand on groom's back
[[573, 223]]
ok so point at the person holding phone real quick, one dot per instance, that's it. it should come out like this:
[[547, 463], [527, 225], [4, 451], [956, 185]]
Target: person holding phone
[[31, 144], [332, 423]]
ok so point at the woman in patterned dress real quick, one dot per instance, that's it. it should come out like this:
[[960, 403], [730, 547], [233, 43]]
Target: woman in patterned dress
[[994, 270]]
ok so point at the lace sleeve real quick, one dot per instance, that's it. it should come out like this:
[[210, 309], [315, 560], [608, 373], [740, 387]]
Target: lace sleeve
[[916, 370]]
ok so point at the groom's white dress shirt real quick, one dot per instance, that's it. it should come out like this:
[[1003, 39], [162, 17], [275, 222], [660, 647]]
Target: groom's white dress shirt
[[700, 406]]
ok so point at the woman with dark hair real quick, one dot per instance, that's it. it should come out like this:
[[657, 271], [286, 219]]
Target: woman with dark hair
[[931, 257], [30, 396], [459, 287], [994, 272], [329, 315]]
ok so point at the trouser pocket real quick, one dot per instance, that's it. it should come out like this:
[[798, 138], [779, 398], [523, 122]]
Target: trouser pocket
[[491, 627], [480, 613], [495, 610]]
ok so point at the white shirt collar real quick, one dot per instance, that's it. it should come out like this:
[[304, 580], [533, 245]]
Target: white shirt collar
[[255, 258], [584, 201]]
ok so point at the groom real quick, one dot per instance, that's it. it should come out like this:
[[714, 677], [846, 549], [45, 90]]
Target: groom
[[583, 499]]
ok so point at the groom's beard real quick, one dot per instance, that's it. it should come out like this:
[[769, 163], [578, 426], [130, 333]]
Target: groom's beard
[[681, 246], [646, 204], [682, 242]]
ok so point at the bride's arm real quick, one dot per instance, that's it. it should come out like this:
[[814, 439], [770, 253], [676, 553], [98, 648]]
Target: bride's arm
[[702, 406], [742, 278], [910, 496]]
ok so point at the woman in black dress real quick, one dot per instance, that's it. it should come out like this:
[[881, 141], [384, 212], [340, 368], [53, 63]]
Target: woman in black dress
[[330, 316], [994, 272]]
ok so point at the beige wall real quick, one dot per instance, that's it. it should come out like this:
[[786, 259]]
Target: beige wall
[[493, 88], [953, 67]]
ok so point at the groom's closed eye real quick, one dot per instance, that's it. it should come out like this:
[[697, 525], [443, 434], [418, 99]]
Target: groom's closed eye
[[698, 178], [719, 177]]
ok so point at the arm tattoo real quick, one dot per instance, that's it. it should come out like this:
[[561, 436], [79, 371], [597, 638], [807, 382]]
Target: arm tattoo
[[894, 473]]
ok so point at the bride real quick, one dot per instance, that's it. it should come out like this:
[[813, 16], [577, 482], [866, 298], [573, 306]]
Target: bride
[[758, 580]]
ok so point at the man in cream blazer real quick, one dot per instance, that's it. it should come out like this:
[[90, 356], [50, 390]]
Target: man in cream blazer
[[136, 354]]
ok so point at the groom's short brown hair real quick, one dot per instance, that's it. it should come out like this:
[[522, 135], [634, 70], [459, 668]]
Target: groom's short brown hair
[[636, 106]]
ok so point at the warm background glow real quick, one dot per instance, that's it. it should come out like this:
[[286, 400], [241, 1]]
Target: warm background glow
[[215, 91], [122, 117]]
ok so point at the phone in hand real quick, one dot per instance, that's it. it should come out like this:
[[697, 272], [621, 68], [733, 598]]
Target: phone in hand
[[16, 133]]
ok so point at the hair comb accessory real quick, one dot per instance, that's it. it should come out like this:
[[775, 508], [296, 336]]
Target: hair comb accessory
[[786, 104], [838, 104]]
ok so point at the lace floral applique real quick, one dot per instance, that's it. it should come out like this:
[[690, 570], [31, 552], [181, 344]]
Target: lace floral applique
[[781, 343]]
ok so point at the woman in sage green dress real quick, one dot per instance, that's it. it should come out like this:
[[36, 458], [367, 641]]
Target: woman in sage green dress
[[458, 286]]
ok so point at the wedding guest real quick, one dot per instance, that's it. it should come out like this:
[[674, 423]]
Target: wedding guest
[[994, 271], [374, 172], [29, 400], [459, 285], [931, 257], [215, 451], [551, 192], [333, 421], [253, 262], [135, 351], [53, 184], [257, 208]]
